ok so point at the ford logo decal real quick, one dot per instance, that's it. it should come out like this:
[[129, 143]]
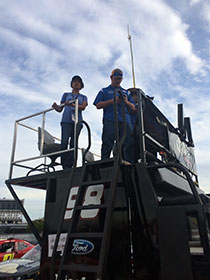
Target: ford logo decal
[[82, 247]]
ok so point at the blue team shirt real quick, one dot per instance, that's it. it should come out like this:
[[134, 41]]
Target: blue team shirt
[[107, 94], [134, 116], [69, 111]]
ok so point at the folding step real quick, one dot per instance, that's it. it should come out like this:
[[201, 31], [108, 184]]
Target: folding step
[[80, 267], [101, 163], [86, 235], [92, 206], [96, 182]]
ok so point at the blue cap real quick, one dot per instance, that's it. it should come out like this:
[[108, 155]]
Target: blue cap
[[117, 73]]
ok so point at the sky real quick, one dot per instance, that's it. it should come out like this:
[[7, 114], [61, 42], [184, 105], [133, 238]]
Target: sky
[[44, 43]]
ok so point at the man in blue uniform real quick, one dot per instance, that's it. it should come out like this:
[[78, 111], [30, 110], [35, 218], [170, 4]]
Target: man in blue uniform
[[105, 100], [68, 118]]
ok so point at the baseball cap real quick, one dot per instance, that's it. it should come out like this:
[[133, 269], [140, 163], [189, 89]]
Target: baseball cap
[[77, 78], [133, 91], [117, 73]]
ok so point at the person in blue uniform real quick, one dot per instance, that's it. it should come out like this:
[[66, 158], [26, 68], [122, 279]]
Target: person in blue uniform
[[133, 113], [105, 100], [68, 118]]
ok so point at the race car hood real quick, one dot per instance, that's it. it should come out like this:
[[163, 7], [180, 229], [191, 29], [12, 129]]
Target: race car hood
[[18, 267]]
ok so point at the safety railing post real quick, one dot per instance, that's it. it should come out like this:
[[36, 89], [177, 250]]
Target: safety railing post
[[13, 149], [141, 132], [42, 133], [119, 142], [124, 122], [116, 124], [75, 133]]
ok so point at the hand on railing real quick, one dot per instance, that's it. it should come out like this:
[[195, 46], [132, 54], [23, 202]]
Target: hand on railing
[[59, 108]]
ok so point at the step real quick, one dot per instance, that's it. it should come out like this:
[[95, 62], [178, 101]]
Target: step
[[101, 163], [95, 182], [178, 200], [80, 267], [86, 235], [92, 206]]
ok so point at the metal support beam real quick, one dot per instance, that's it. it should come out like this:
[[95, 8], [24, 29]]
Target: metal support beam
[[25, 214]]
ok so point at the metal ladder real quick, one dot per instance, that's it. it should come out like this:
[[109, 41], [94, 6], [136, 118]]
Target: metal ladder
[[102, 236], [66, 267]]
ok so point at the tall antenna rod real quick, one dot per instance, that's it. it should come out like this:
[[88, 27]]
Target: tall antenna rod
[[209, 51], [132, 63]]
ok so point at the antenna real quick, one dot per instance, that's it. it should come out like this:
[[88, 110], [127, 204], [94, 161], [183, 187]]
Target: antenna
[[209, 51], [132, 63]]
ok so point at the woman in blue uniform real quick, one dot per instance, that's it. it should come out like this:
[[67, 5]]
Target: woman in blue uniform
[[68, 118]]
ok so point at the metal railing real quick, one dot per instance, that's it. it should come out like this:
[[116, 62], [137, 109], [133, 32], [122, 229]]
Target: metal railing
[[18, 122], [119, 142]]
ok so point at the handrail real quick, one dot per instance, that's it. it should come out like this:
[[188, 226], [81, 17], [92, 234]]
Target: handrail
[[43, 113], [42, 156], [36, 130], [141, 131], [116, 124], [120, 142], [186, 173], [89, 142], [76, 127]]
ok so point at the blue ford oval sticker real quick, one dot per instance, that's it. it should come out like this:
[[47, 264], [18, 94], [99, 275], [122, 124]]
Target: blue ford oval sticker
[[82, 247]]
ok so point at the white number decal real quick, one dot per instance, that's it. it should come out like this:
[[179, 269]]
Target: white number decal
[[93, 196], [71, 203]]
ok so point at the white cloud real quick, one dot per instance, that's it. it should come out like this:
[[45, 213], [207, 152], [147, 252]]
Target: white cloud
[[95, 40], [194, 2], [45, 43], [166, 35], [206, 13]]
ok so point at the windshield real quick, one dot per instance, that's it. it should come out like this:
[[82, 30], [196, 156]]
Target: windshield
[[34, 254]]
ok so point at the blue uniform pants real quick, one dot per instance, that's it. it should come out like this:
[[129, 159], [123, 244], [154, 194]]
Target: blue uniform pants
[[67, 132], [108, 138]]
